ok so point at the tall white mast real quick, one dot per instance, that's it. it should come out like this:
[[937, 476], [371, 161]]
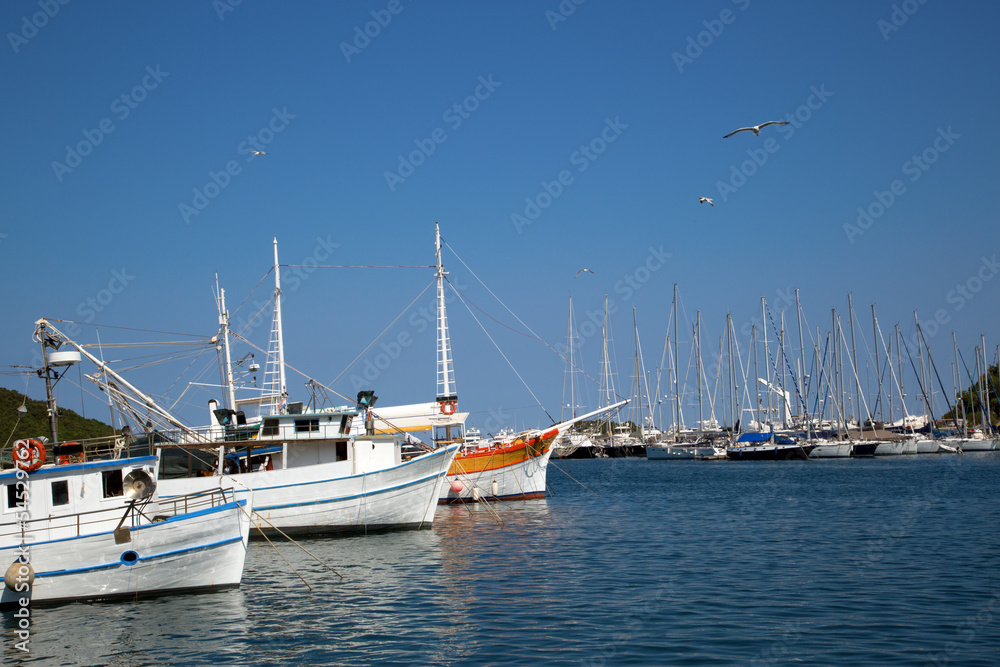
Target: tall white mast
[[277, 316], [677, 393], [446, 390], [274, 373], [224, 325]]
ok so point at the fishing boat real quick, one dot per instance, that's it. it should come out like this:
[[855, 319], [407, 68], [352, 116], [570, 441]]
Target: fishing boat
[[79, 522], [312, 470], [509, 467], [512, 467], [97, 530]]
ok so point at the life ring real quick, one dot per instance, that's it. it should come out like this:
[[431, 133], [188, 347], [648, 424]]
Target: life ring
[[65, 459], [29, 454], [448, 407]]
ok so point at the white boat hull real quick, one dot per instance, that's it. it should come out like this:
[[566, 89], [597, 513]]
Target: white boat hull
[[890, 448], [198, 551], [929, 447], [678, 452], [523, 480], [831, 450], [329, 498], [974, 445]]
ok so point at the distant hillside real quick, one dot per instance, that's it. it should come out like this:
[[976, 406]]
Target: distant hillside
[[973, 408], [36, 422]]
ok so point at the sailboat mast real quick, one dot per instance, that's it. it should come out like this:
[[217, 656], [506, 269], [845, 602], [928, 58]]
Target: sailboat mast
[[677, 391], [802, 365], [756, 375], [224, 325], [854, 358], [446, 390], [608, 389], [701, 415], [571, 363], [878, 368], [899, 366], [767, 360], [638, 377], [280, 345], [958, 395], [785, 407], [982, 388], [732, 376]]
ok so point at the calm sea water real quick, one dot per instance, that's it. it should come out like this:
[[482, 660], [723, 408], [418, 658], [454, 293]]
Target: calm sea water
[[631, 562]]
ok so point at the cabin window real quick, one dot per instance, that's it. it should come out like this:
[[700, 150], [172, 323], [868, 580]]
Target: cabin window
[[306, 425], [345, 423], [112, 483], [270, 429], [60, 492], [342, 450], [13, 502]]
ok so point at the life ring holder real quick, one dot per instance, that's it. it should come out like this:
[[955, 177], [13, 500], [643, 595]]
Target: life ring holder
[[29, 454], [448, 407]]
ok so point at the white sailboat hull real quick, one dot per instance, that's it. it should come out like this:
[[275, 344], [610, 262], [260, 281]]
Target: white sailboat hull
[[890, 448], [676, 452], [831, 450], [975, 445], [929, 447]]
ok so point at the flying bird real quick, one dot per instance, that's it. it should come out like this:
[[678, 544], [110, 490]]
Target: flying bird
[[581, 271], [258, 152], [702, 200], [756, 128]]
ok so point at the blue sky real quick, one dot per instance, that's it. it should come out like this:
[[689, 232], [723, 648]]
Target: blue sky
[[543, 136]]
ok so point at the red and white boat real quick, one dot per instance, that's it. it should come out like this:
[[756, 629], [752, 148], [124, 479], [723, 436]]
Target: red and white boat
[[509, 467]]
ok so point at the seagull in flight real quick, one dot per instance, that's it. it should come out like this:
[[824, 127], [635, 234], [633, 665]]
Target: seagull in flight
[[756, 128], [702, 200], [258, 152], [581, 271]]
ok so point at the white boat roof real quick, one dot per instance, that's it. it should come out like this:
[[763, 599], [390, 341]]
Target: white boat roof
[[414, 417]]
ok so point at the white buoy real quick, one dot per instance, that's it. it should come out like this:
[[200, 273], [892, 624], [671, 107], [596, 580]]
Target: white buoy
[[495, 487], [475, 493]]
